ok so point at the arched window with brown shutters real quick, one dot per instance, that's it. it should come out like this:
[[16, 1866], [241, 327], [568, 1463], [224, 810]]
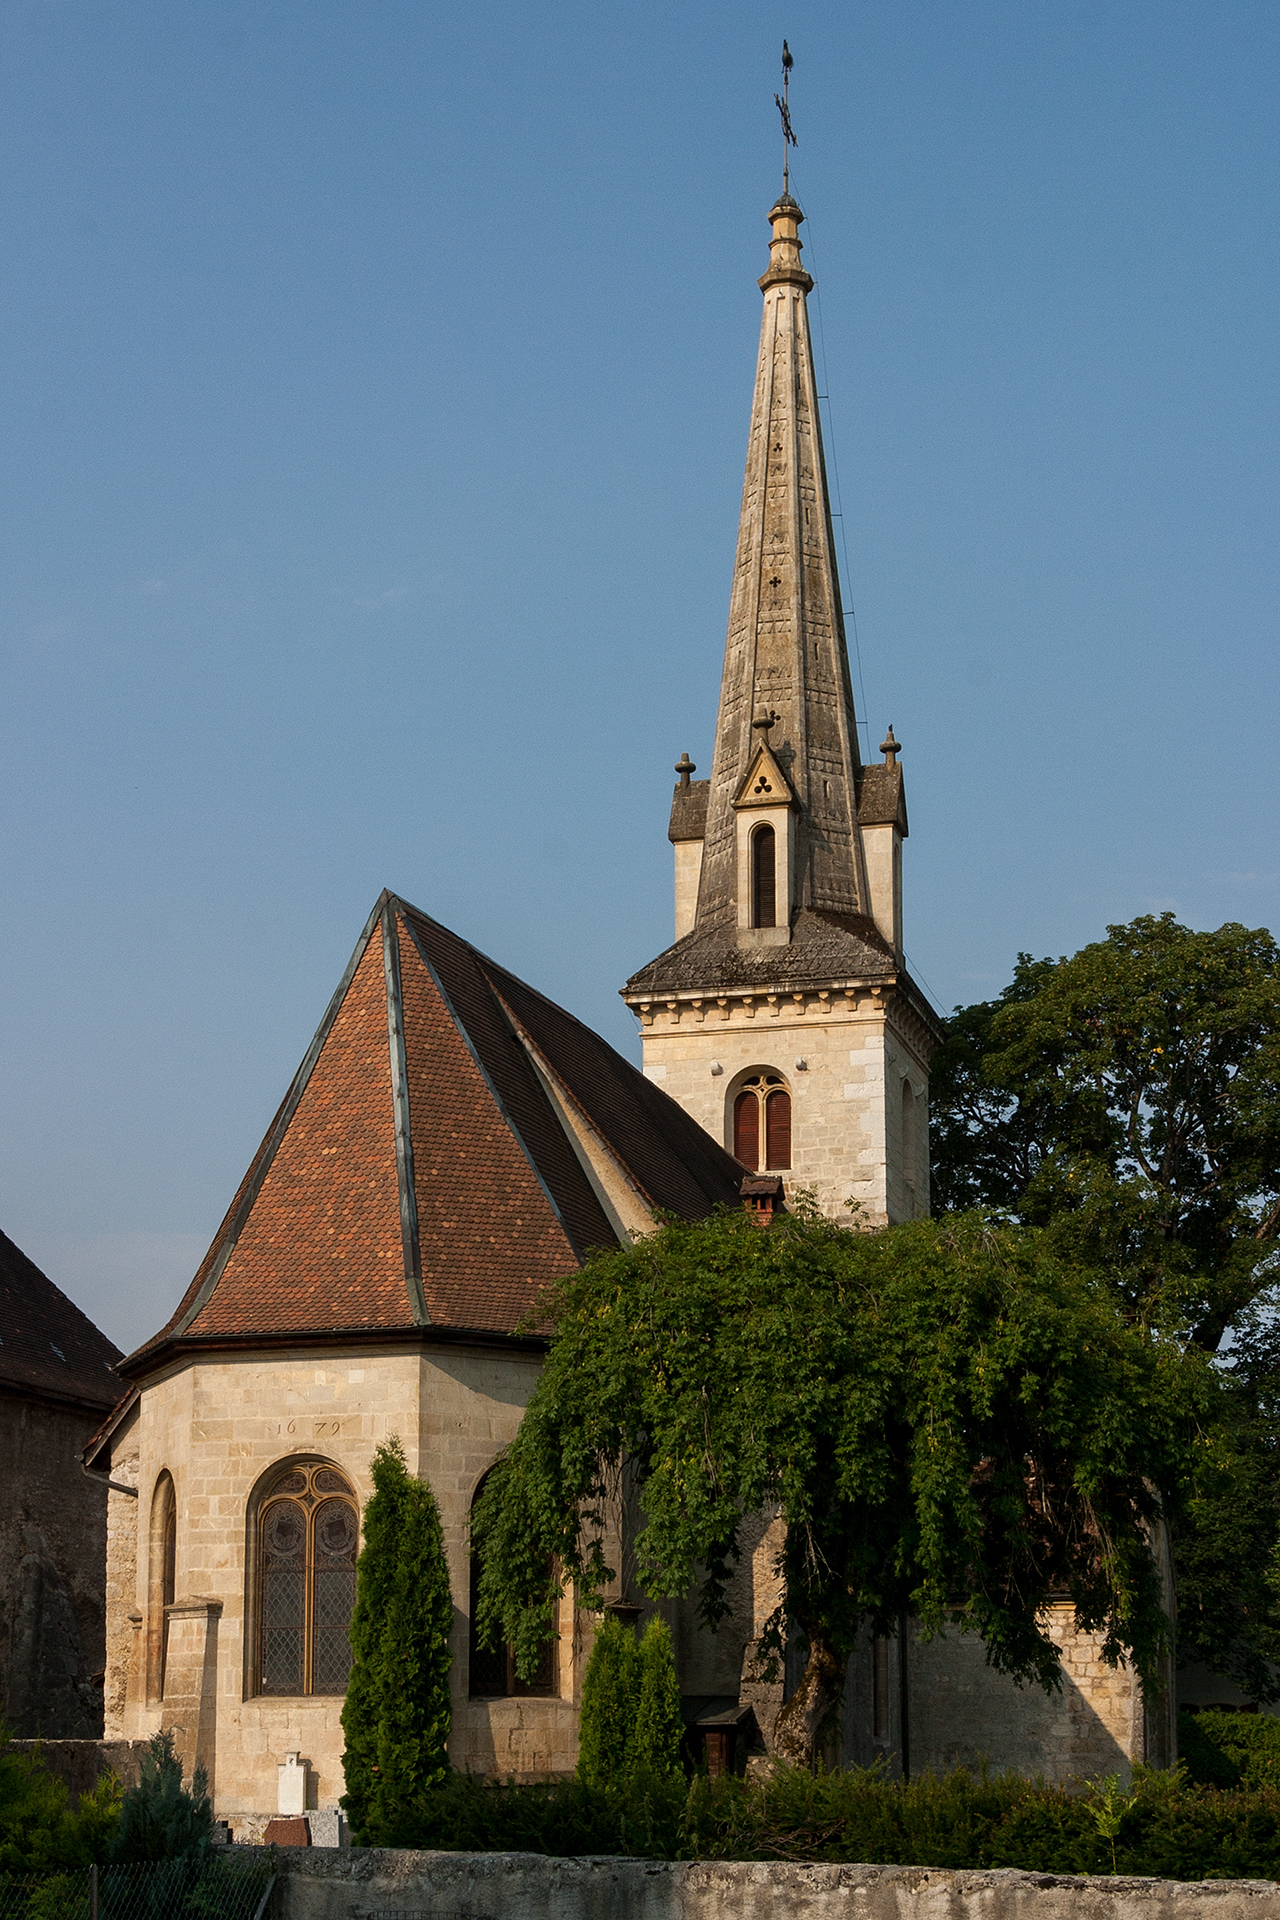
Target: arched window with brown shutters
[[764, 877], [491, 1671], [762, 1123], [746, 1128], [308, 1540], [777, 1129]]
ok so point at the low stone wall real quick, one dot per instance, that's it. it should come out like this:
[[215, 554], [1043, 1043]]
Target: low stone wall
[[80, 1763], [390, 1885]]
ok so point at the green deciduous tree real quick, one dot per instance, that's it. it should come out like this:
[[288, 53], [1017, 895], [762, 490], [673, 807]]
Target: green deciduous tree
[[397, 1711], [953, 1420], [1129, 1098]]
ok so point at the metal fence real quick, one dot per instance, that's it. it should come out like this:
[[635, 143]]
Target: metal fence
[[238, 1888]]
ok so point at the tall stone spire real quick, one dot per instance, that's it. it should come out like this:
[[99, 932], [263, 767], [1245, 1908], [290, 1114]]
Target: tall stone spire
[[785, 651], [783, 1019]]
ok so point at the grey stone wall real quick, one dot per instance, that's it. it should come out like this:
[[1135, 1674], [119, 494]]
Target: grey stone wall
[[80, 1764], [333, 1885], [53, 1543]]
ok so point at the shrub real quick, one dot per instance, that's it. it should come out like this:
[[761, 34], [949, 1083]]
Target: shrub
[[397, 1711], [1248, 1742], [1163, 1826], [1203, 1760], [610, 1691], [38, 1831], [159, 1818], [658, 1727]]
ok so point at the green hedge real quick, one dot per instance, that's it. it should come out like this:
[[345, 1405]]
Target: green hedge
[[1222, 1749], [1166, 1826]]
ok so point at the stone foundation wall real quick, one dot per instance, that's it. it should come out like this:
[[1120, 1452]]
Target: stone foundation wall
[[334, 1885]]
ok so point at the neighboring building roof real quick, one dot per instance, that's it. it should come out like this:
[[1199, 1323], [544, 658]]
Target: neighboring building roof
[[418, 1174], [47, 1346]]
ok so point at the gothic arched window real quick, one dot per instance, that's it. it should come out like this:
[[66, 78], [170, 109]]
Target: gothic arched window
[[491, 1671], [162, 1581], [764, 877], [308, 1538], [762, 1119], [908, 1135]]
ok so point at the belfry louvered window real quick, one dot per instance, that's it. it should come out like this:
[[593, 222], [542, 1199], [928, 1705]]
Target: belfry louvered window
[[762, 1120], [309, 1535]]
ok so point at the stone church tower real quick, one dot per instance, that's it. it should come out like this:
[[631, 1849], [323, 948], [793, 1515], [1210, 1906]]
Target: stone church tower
[[784, 1019]]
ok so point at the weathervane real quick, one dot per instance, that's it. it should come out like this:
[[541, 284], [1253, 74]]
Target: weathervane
[[780, 100]]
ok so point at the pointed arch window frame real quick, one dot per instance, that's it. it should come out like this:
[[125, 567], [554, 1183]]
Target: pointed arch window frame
[[271, 1491]]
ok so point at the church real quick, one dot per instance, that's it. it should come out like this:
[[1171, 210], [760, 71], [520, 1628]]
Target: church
[[453, 1141]]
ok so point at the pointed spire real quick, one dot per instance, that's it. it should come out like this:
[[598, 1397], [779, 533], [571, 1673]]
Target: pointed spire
[[785, 654]]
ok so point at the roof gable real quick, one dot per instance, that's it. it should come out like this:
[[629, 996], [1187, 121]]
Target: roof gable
[[764, 784]]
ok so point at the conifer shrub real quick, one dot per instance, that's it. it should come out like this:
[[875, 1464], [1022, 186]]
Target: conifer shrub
[[160, 1819], [658, 1727], [610, 1697], [397, 1712]]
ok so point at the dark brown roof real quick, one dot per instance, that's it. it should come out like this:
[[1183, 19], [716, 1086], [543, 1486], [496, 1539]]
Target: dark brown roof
[[417, 1175], [689, 810], [824, 947], [47, 1346]]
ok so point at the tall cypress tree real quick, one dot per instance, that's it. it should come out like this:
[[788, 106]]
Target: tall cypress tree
[[396, 1716], [609, 1698], [659, 1725]]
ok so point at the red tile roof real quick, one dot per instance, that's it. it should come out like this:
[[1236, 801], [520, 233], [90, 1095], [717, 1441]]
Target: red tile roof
[[417, 1176], [47, 1346]]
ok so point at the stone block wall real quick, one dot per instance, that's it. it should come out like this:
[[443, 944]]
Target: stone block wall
[[218, 1427], [331, 1884], [964, 1713], [53, 1528], [846, 1101]]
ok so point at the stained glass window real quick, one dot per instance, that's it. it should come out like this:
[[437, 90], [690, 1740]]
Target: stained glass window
[[310, 1535]]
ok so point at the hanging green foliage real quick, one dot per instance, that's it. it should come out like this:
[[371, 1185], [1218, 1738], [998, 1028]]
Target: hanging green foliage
[[953, 1418], [397, 1711]]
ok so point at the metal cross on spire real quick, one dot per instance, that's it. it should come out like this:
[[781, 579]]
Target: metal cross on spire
[[780, 100]]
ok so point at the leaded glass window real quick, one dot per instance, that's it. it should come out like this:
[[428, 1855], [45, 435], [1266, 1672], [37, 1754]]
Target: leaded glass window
[[309, 1536]]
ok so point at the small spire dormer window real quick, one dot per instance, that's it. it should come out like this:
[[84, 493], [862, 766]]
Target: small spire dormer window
[[764, 877]]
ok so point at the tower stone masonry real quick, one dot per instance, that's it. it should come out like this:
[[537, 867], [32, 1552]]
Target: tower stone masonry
[[784, 1019]]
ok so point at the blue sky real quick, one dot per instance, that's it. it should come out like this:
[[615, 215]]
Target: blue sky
[[375, 402]]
